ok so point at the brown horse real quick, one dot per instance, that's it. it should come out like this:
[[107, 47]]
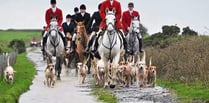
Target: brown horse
[[81, 39], [70, 53]]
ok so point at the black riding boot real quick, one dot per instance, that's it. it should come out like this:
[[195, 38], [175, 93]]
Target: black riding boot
[[43, 44], [124, 40], [64, 40], [73, 45], [140, 44], [96, 41], [90, 42]]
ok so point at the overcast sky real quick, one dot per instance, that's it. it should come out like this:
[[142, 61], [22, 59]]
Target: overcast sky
[[29, 14]]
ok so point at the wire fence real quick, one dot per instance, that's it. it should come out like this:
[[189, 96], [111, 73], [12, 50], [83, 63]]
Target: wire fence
[[3, 60]]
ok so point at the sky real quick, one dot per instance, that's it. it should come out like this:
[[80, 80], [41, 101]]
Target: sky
[[29, 14]]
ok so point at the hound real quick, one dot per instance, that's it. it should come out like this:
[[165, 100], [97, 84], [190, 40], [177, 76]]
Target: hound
[[141, 72], [9, 72], [50, 76], [82, 72], [152, 74]]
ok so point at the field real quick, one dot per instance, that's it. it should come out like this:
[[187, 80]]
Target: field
[[25, 69], [7, 36]]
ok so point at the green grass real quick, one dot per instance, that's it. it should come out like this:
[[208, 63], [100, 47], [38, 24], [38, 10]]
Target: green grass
[[104, 95], [187, 93], [24, 75], [7, 36]]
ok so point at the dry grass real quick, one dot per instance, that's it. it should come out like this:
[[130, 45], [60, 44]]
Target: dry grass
[[186, 60]]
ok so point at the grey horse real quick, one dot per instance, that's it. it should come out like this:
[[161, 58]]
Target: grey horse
[[55, 47], [132, 41]]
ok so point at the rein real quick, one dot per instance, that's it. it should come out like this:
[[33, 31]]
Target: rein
[[111, 42], [52, 41]]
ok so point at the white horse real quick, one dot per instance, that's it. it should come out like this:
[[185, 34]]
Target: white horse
[[110, 46], [132, 40], [55, 46]]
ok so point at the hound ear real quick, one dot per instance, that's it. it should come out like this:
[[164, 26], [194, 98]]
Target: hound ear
[[106, 10]]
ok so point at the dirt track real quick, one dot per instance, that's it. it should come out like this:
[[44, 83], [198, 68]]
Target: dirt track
[[67, 90]]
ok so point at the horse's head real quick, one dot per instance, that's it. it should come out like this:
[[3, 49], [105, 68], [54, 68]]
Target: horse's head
[[53, 28], [110, 19], [53, 23], [135, 25], [80, 27]]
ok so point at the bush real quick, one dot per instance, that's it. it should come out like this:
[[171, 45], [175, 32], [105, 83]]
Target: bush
[[170, 30], [186, 60], [18, 45], [161, 40], [188, 31]]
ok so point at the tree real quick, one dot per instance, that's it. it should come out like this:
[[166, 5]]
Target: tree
[[188, 31], [143, 29], [170, 30], [18, 45]]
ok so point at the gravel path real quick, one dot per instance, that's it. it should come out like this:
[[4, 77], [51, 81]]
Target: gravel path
[[134, 94], [67, 90]]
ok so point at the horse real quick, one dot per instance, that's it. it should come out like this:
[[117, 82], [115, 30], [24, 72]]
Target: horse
[[55, 46], [132, 41], [110, 47], [70, 52], [81, 42]]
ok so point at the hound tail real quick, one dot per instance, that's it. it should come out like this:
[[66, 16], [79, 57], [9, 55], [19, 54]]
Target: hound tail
[[8, 60], [150, 61]]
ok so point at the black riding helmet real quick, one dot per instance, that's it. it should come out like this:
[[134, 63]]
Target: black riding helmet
[[76, 9], [83, 7], [53, 2]]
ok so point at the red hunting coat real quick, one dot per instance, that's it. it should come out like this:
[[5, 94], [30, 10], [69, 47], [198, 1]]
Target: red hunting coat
[[107, 5], [126, 19], [50, 14]]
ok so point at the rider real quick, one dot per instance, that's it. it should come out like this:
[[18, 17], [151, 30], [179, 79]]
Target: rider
[[83, 16], [110, 4], [93, 28], [126, 21], [53, 12], [76, 11], [69, 27]]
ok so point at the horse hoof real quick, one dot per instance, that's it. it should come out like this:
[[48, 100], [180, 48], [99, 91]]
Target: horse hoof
[[112, 86], [105, 86], [58, 78]]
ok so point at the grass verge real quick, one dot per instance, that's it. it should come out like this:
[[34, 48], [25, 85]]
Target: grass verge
[[26, 36], [24, 75], [104, 95], [187, 93]]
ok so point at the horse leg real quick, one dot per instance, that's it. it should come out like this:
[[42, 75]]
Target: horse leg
[[77, 60], [135, 57], [58, 66], [106, 74], [126, 56], [89, 65], [114, 70]]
